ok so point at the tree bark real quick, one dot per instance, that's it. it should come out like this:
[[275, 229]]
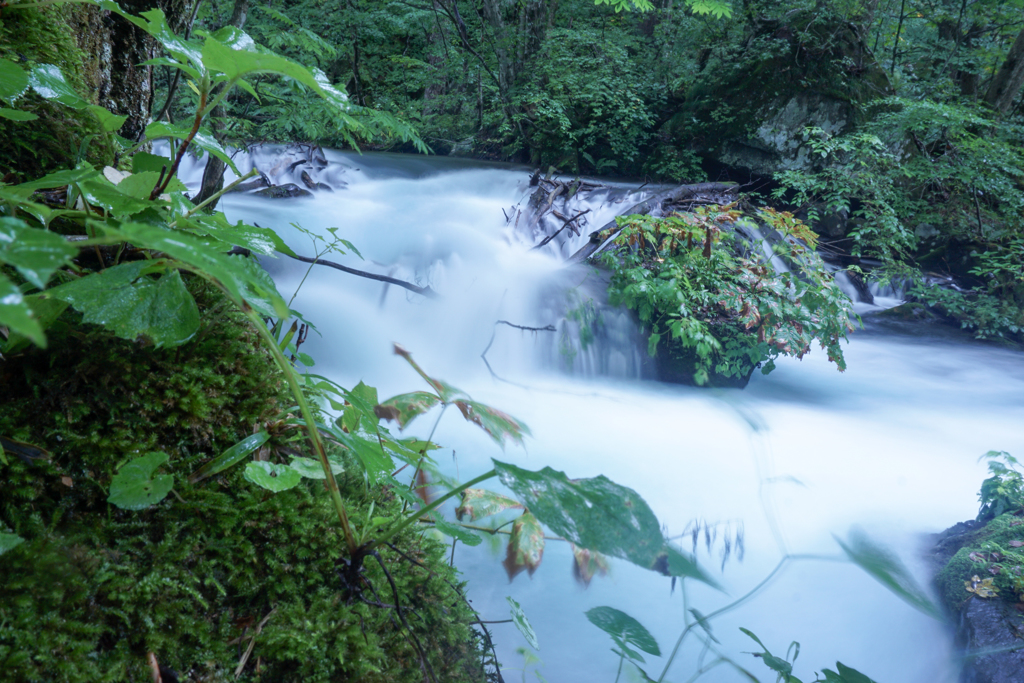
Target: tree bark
[[1009, 79]]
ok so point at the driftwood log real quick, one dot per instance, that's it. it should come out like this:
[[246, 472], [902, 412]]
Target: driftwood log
[[654, 203]]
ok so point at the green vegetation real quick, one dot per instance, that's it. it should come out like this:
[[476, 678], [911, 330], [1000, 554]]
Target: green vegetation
[[716, 305]]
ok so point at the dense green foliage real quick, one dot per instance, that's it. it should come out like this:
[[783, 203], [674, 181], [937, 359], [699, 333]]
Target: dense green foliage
[[716, 305]]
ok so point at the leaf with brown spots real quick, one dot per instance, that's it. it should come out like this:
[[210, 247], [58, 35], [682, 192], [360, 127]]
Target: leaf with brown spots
[[525, 546], [586, 564], [498, 425], [480, 503], [405, 408]]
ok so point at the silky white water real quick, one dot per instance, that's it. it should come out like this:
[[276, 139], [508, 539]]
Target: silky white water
[[891, 446]]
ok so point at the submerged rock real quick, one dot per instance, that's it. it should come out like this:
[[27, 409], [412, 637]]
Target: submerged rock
[[283, 191]]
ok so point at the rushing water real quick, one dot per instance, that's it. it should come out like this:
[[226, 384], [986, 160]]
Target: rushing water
[[800, 456]]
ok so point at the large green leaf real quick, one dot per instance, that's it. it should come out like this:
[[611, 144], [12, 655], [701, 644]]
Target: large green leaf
[[9, 542], [13, 80], [101, 193], [129, 303], [231, 456], [461, 533], [140, 185], [17, 115], [135, 488], [623, 628], [405, 408], [312, 469], [201, 140], [271, 476], [886, 568], [498, 425], [242, 280], [49, 83], [525, 546], [154, 22], [376, 463], [480, 503], [35, 253], [16, 315], [259, 240], [522, 623], [44, 311]]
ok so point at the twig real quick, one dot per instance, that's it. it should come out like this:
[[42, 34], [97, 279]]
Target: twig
[[252, 643], [401, 615], [425, 291], [483, 356], [567, 222]]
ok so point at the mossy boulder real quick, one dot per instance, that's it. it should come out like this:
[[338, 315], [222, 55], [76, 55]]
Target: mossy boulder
[[217, 569], [747, 110]]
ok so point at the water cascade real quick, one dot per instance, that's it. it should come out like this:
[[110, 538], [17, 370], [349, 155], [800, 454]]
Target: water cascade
[[798, 458]]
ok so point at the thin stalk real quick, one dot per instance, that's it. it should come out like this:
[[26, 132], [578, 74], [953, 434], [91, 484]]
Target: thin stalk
[[217, 196], [200, 114], [314, 433], [622, 658], [423, 453], [412, 519]]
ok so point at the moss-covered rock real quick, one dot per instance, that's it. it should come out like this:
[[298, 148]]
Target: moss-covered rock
[[987, 552], [217, 568]]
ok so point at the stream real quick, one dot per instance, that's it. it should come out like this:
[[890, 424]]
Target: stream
[[800, 457]]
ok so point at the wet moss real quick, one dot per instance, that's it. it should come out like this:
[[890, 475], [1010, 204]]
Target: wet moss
[[94, 588], [989, 554]]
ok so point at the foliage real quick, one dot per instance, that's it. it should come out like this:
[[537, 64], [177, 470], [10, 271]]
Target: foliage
[[715, 304], [990, 564], [1004, 490], [783, 667]]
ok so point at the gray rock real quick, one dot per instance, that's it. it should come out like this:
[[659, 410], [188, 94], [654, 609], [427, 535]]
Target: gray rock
[[283, 191], [992, 633]]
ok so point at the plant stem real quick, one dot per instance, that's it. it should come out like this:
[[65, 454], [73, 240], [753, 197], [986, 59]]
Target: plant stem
[[314, 433], [412, 519], [217, 196], [622, 658], [423, 453]]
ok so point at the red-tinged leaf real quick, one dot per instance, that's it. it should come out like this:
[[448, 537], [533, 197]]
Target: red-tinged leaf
[[586, 564], [480, 503], [525, 546], [1016, 544], [405, 408], [498, 425], [423, 487], [447, 392]]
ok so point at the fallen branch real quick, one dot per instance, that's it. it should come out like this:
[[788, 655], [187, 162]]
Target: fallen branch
[[425, 291], [483, 356], [567, 223], [600, 236]]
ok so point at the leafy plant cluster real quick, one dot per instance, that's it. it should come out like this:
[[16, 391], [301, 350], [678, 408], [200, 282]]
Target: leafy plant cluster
[[717, 305]]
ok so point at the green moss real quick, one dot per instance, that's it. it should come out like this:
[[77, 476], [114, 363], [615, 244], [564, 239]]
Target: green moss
[[31, 149], [994, 558], [191, 578]]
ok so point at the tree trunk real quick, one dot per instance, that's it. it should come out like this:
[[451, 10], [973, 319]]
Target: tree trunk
[[213, 174], [1009, 79]]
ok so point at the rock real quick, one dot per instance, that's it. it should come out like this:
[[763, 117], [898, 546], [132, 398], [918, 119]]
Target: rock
[[283, 191], [256, 184], [989, 625], [307, 180]]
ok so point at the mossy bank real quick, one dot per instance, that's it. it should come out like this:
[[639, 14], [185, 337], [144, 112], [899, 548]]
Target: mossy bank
[[219, 577]]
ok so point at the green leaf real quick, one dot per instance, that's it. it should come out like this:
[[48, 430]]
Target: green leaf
[[100, 192], [447, 392], [16, 315], [243, 281], [44, 311], [260, 240], [404, 408], [525, 546], [595, 513], [311, 468], [109, 121], [623, 627], [203, 141], [49, 83], [522, 623], [154, 22], [467, 536], [852, 675], [498, 425], [272, 476], [140, 185], [143, 161], [13, 80], [135, 488], [36, 254], [368, 452], [130, 304], [17, 115], [231, 456], [9, 542], [480, 503], [887, 569]]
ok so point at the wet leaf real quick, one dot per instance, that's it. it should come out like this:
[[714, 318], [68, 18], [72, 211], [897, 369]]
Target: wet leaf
[[231, 456], [256, 239], [624, 629], [130, 304], [36, 254], [140, 185], [405, 408], [202, 140], [1016, 544], [9, 542], [845, 675], [16, 315], [525, 546], [155, 24], [272, 476], [143, 161], [447, 392], [49, 83], [586, 564], [889, 571], [17, 115], [480, 503], [368, 452], [983, 588], [522, 623], [135, 488], [13, 80], [600, 515], [310, 468], [467, 536], [498, 425]]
